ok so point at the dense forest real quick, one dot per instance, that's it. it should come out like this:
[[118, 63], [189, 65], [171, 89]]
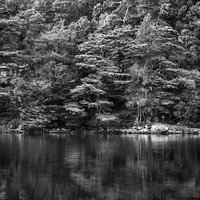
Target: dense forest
[[105, 63]]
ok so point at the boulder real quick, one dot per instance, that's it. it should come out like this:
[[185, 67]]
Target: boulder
[[159, 129], [144, 131]]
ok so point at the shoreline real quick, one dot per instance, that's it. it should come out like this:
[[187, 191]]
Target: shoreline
[[161, 129], [157, 128]]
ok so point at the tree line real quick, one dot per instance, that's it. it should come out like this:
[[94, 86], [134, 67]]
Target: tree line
[[105, 63]]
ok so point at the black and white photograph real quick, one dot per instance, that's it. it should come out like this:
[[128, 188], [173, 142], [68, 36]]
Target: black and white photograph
[[99, 100]]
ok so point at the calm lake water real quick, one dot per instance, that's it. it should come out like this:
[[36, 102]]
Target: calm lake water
[[99, 167]]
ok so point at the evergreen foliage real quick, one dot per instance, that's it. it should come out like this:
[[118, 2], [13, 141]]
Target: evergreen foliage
[[100, 63]]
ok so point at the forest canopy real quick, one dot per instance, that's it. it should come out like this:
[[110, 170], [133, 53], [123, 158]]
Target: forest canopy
[[105, 63]]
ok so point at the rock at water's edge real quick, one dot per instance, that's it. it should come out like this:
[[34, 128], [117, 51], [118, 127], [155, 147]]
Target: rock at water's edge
[[159, 129]]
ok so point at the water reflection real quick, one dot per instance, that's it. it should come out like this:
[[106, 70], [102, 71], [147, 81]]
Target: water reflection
[[99, 167]]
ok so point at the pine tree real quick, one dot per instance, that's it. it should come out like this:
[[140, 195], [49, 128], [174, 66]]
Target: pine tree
[[154, 40], [45, 91]]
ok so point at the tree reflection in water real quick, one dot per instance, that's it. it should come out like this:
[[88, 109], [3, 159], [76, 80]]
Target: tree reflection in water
[[99, 167]]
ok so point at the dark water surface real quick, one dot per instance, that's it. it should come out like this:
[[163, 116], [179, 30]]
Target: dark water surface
[[99, 167]]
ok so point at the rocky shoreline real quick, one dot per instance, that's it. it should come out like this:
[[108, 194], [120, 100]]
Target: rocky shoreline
[[158, 129], [162, 129]]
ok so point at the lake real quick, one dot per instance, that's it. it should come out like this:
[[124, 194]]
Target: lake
[[130, 167]]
